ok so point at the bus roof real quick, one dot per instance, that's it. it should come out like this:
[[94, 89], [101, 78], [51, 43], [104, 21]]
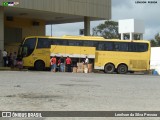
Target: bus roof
[[92, 38]]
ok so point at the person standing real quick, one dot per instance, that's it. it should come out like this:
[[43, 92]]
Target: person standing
[[10, 60], [68, 64], [4, 54], [14, 59], [86, 61], [62, 64], [53, 64], [58, 66]]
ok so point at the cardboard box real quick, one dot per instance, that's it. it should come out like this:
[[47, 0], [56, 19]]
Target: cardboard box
[[74, 69], [85, 66], [90, 66], [90, 70], [80, 65], [79, 70], [85, 70]]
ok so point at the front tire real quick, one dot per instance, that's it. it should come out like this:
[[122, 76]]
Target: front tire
[[39, 65], [109, 68], [122, 69]]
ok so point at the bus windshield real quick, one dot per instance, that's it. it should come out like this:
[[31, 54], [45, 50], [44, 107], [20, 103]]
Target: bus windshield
[[27, 47]]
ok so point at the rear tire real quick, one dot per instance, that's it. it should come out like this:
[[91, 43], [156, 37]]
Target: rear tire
[[109, 68], [39, 65], [122, 69]]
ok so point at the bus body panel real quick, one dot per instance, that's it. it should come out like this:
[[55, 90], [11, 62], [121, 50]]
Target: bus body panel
[[135, 61], [72, 51]]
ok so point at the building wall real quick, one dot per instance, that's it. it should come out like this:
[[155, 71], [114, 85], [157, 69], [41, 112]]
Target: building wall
[[90, 8], [18, 29], [27, 26]]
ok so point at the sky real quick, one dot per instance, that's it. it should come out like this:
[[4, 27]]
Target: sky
[[121, 9]]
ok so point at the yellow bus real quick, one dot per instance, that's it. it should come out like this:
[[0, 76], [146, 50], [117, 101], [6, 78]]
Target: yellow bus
[[109, 55]]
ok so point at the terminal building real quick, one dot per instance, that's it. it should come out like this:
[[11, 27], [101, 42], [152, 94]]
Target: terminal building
[[21, 18]]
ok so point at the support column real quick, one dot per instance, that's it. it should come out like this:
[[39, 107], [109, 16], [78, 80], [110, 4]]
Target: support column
[[122, 36], [1, 33], [86, 26], [131, 36], [141, 37]]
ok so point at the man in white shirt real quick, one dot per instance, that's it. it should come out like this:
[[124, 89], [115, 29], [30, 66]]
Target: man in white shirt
[[4, 54], [86, 61]]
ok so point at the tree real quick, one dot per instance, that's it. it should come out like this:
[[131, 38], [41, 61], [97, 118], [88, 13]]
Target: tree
[[157, 38], [108, 30], [156, 42], [153, 43]]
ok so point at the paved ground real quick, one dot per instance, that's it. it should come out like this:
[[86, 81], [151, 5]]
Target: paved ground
[[46, 91]]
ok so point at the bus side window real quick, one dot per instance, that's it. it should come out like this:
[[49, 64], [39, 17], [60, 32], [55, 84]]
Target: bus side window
[[142, 47], [58, 42], [138, 47], [43, 43], [85, 43], [71, 43], [101, 46], [95, 44], [78, 43], [65, 42], [109, 46], [55, 42], [116, 47], [133, 47], [121, 46]]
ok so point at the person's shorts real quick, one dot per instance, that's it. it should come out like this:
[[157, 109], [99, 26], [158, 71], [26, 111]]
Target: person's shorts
[[54, 66]]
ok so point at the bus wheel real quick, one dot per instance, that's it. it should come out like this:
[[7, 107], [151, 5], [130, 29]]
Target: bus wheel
[[109, 68], [39, 65], [122, 69]]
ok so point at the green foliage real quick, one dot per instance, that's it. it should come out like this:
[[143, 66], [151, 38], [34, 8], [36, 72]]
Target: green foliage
[[156, 42], [108, 30]]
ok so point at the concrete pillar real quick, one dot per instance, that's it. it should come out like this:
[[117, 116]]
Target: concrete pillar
[[131, 36], [1, 32], [141, 37], [86, 26], [122, 36]]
